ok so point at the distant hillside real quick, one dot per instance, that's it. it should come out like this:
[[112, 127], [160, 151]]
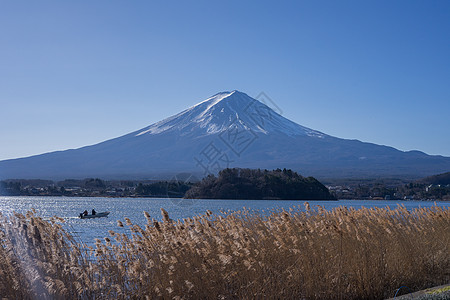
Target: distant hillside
[[259, 184], [443, 179]]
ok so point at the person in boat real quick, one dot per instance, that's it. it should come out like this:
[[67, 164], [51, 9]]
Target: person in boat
[[93, 212], [85, 213]]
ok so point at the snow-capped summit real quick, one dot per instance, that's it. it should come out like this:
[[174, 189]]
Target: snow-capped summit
[[229, 129], [217, 113]]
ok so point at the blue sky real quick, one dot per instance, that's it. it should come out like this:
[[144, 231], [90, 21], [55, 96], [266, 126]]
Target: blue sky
[[74, 73]]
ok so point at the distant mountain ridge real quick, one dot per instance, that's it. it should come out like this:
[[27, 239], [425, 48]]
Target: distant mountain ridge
[[229, 129], [443, 179]]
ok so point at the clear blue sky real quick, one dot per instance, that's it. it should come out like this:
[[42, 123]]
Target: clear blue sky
[[74, 73]]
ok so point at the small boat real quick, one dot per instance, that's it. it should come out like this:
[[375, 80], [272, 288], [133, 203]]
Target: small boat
[[97, 215]]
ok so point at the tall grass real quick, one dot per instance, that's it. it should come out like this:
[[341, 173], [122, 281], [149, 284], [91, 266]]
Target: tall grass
[[313, 254]]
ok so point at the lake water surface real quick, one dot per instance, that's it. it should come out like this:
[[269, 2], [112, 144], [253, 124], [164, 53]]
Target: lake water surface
[[87, 229]]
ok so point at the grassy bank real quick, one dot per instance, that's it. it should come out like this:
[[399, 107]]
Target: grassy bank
[[317, 254]]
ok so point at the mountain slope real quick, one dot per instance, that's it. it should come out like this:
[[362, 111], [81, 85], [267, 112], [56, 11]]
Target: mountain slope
[[229, 129], [442, 179]]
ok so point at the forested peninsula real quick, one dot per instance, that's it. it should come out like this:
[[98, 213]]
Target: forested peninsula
[[249, 184]]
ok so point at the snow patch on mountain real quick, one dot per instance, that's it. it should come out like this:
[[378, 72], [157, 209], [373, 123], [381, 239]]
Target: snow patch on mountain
[[224, 110]]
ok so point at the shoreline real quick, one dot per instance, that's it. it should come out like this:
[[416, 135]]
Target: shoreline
[[165, 197]]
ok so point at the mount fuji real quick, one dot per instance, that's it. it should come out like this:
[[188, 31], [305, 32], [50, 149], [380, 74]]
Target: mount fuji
[[229, 129]]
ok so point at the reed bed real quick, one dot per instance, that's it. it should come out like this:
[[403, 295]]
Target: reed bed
[[298, 254]]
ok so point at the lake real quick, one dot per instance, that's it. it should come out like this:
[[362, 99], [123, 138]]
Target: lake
[[87, 230]]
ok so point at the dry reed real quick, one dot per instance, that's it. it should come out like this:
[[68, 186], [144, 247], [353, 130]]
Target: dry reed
[[314, 254]]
